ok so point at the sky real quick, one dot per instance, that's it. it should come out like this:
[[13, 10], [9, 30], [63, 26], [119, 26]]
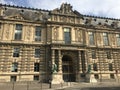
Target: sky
[[102, 8]]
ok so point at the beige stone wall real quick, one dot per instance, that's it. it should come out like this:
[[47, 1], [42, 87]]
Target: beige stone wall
[[7, 32], [4, 78]]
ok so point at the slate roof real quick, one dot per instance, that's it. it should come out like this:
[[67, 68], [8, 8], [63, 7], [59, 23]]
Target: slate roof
[[65, 9]]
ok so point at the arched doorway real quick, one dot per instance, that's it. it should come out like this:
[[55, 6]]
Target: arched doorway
[[68, 69]]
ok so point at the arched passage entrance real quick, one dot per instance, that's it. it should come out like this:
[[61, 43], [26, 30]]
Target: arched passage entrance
[[68, 69]]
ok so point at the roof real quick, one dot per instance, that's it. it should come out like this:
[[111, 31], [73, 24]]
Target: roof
[[31, 14]]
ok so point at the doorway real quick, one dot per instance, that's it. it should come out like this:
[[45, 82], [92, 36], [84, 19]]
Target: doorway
[[68, 69]]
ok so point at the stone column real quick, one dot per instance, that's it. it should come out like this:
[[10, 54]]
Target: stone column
[[59, 62], [53, 56], [79, 67], [86, 60]]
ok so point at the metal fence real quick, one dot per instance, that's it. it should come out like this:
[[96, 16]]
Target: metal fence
[[28, 85]]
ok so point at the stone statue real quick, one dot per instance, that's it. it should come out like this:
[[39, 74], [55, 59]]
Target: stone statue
[[66, 8], [89, 69], [54, 68]]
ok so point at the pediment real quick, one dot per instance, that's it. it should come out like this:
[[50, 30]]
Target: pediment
[[65, 9], [16, 16]]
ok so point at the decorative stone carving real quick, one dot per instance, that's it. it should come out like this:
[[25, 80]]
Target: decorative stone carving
[[28, 33], [66, 8], [114, 24], [17, 16], [39, 16]]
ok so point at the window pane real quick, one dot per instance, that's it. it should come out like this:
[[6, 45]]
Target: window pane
[[105, 39], [14, 67], [108, 55], [110, 67], [67, 35], [18, 32], [18, 26], [95, 67], [37, 53], [38, 33], [93, 55], [13, 78], [0, 25], [118, 39], [36, 78], [91, 38], [16, 52], [36, 67]]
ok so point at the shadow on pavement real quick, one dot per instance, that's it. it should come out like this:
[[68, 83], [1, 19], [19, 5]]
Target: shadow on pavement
[[100, 88]]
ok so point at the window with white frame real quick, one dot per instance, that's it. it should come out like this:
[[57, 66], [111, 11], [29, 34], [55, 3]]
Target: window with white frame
[[18, 32], [38, 33], [105, 39], [67, 35], [118, 39], [91, 38]]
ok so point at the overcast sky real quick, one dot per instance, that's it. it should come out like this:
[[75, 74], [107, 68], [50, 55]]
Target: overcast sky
[[103, 8]]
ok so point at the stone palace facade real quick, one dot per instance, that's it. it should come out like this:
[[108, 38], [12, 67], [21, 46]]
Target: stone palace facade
[[35, 44]]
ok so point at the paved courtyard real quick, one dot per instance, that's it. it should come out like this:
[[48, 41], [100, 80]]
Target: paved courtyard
[[94, 86], [65, 86]]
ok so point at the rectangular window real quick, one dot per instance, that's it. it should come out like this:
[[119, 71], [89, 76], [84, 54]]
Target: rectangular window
[[95, 67], [91, 38], [67, 35], [105, 39], [18, 32], [36, 67], [14, 67], [38, 33], [0, 25], [13, 78], [108, 55], [16, 52], [110, 67], [96, 76], [112, 76], [37, 53], [118, 39], [36, 77], [93, 55]]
